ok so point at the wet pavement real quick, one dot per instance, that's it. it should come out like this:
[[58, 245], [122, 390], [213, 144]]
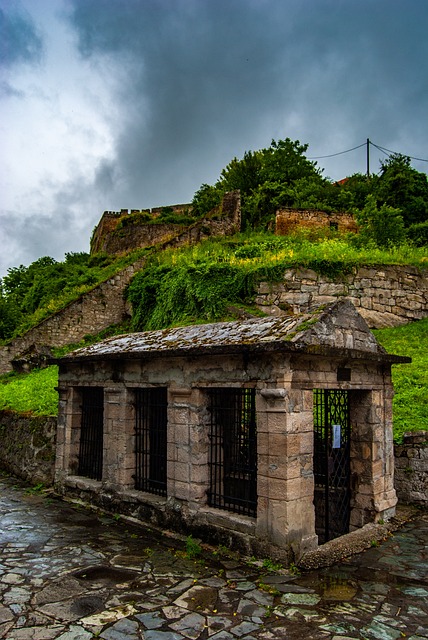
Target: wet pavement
[[67, 573]]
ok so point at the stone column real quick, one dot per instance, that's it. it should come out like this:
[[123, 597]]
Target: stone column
[[116, 441], [187, 451], [372, 457], [68, 434], [285, 477]]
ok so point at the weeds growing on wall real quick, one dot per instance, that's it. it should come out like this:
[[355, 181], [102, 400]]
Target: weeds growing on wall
[[197, 284]]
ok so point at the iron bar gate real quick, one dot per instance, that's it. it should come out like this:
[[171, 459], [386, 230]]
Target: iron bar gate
[[332, 435], [151, 440], [233, 452], [91, 433]]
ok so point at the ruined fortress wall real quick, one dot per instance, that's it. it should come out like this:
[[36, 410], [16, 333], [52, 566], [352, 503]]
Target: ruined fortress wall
[[384, 295], [107, 238], [105, 305], [289, 220]]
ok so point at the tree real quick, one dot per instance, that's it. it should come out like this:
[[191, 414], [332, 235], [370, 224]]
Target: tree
[[263, 178], [205, 199], [384, 226], [402, 187]]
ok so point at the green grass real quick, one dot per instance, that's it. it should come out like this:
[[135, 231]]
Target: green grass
[[32, 393], [410, 380], [198, 283]]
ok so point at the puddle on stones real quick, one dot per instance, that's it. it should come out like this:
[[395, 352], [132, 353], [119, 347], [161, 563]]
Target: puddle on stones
[[87, 605], [332, 587], [108, 576]]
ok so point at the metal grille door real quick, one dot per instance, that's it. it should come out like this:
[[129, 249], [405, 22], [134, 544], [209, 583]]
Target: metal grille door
[[91, 433], [233, 456], [151, 440], [332, 433]]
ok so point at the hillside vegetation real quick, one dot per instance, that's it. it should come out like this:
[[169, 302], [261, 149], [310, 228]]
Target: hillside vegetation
[[213, 280], [199, 284], [391, 210]]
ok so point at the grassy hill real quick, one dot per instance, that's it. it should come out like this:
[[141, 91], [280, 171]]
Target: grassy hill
[[213, 280]]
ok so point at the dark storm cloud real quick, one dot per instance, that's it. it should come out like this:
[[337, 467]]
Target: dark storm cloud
[[200, 81], [19, 40]]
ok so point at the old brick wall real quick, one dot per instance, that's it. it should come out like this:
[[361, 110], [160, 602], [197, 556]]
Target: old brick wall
[[383, 295], [28, 446], [411, 469], [289, 220]]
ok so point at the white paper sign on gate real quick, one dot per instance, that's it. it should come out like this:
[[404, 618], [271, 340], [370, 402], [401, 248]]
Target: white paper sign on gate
[[336, 436]]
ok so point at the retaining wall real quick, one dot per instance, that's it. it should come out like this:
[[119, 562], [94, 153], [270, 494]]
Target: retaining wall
[[28, 446], [385, 296], [411, 469]]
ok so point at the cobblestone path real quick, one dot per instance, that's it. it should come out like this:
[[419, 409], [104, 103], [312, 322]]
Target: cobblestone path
[[67, 574]]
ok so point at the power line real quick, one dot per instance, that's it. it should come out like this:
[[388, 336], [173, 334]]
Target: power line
[[383, 149], [331, 155], [388, 151]]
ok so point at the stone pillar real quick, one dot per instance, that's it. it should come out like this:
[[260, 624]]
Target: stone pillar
[[372, 457], [285, 513], [117, 441], [187, 453], [68, 434]]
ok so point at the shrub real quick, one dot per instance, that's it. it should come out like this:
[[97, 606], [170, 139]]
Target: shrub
[[418, 234]]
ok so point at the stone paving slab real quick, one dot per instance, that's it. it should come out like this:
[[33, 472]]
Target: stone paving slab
[[67, 574]]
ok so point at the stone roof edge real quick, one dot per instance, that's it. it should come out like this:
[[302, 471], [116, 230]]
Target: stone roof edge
[[285, 346]]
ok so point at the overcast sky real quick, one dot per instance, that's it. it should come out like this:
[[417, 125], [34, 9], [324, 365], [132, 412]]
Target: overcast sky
[[110, 104]]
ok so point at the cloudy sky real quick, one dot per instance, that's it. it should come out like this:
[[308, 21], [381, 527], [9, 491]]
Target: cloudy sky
[[109, 104]]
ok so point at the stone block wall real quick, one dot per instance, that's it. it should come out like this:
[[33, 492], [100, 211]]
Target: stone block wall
[[383, 295], [92, 312], [28, 447], [289, 220], [411, 469]]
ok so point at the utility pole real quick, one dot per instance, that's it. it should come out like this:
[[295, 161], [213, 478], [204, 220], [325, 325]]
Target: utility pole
[[368, 158]]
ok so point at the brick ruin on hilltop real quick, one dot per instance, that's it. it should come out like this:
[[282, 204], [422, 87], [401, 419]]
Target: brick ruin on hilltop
[[289, 220]]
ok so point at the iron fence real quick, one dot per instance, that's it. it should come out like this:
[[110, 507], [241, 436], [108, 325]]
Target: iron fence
[[151, 440], [233, 450], [91, 433]]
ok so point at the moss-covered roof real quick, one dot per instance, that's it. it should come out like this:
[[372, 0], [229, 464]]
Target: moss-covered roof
[[334, 329]]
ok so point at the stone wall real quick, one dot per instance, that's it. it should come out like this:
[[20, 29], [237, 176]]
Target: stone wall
[[411, 469], [133, 233], [289, 220], [105, 305], [28, 447], [92, 312], [383, 295]]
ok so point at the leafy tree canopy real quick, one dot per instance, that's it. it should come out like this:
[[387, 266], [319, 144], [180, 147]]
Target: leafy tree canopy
[[282, 176]]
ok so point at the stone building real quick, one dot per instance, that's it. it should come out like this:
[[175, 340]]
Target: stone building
[[271, 434], [290, 220]]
